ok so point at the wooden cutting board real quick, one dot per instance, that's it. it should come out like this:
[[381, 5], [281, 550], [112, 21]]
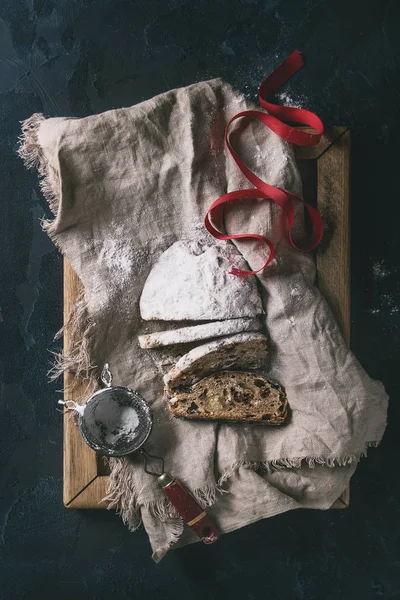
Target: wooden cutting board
[[325, 171]]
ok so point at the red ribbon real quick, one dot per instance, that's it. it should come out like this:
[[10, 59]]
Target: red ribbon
[[275, 120]]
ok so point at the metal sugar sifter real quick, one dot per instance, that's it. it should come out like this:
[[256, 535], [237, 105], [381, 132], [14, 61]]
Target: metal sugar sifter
[[116, 421]]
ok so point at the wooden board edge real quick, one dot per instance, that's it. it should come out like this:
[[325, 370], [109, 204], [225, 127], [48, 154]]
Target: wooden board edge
[[333, 266], [91, 497], [80, 463], [344, 499], [328, 138]]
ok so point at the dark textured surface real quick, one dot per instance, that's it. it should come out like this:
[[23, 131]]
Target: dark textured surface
[[77, 57]]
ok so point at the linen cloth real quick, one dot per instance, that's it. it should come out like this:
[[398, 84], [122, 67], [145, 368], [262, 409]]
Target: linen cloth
[[123, 186]]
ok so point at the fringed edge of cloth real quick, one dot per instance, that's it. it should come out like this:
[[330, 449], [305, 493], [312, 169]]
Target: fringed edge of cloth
[[81, 330], [295, 463], [79, 325], [124, 497], [32, 154]]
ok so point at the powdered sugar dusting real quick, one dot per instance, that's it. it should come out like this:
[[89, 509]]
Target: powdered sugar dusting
[[389, 302], [196, 333], [110, 422], [295, 292], [383, 282], [117, 255], [380, 270], [192, 281], [288, 100]]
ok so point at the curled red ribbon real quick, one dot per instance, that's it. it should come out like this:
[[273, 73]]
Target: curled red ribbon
[[275, 120]]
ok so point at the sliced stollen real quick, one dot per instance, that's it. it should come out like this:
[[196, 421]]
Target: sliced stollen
[[196, 333], [191, 281], [240, 351], [232, 396]]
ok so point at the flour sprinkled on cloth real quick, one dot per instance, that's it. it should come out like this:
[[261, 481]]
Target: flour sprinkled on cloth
[[117, 254]]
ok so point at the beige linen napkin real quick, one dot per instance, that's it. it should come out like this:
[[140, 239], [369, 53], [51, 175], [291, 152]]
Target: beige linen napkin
[[123, 186]]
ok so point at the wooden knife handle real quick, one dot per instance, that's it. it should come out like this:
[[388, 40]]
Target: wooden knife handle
[[194, 515]]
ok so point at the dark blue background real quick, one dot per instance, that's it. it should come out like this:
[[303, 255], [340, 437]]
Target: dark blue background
[[78, 57]]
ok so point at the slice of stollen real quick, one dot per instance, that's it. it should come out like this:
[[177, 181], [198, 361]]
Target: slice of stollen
[[240, 351], [191, 281], [232, 396], [196, 333]]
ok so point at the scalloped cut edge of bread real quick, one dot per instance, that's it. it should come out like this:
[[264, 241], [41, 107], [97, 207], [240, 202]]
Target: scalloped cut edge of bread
[[232, 396], [243, 351]]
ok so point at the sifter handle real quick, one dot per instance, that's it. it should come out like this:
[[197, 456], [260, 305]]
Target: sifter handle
[[194, 515]]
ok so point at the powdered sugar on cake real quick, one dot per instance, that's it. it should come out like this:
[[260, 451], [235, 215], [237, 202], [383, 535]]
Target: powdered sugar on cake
[[195, 333], [191, 281]]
